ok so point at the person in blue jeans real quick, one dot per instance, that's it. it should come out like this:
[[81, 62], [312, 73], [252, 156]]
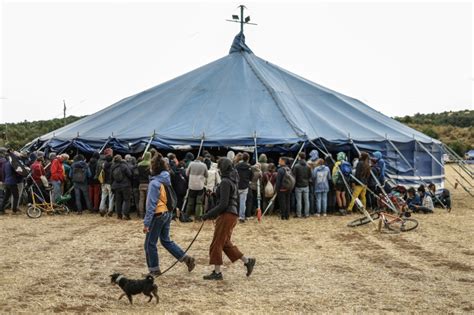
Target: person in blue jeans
[[302, 173], [157, 219], [321, 177]]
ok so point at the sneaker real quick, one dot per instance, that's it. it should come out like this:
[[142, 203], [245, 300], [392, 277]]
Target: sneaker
[[342, 212], [242, 220], [127, 217], [325, 215], [318, 215], [250, 264], [102, 213], [190, 262], [110, 213], [214, 276]]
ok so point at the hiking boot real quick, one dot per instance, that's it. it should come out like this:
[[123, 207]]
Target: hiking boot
[[154, 274], [119, 217], [190, 262], [110, 213], [214, 276], [127, 217], [102, 213], [250, 264]]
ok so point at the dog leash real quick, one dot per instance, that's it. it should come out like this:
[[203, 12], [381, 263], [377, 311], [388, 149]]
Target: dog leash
[[192, 242]]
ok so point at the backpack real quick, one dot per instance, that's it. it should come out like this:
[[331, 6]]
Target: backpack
[[171, 199], [345, 168], [288, 181], [269, 191], [79, 175], [18, 166], [117, 174]]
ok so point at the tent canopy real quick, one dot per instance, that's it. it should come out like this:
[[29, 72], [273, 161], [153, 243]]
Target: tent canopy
[[229, 101]]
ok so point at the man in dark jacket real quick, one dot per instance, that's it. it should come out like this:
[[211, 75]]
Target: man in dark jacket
[[10, 180], [80, 174], [94, 185], [121, 186], [302, 174], [283, 193], [245, 176]]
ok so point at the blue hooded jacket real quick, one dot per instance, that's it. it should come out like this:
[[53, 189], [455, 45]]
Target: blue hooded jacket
[[380, 163], [321, 178], [154, 195]]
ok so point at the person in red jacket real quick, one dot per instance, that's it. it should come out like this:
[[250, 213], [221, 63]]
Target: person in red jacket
[[57, 174]]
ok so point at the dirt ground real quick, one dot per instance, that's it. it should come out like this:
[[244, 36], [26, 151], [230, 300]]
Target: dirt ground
[[62, 264]]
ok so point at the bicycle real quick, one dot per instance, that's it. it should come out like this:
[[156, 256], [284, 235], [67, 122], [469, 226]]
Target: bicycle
[[389, 222], [40, 205]]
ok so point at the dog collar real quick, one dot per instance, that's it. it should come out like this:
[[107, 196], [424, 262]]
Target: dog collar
[[118, 279]]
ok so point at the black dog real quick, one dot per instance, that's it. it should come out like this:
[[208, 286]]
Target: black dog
[[133, 287]]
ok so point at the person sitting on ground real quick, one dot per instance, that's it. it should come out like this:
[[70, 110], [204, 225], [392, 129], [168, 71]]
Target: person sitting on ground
[[442, 198], [157, 221], [302, 173], [226, 213], [321, 178], [414, 202], [245, 176], [80, 175], [121, 186], [197, 174], [362, 174]]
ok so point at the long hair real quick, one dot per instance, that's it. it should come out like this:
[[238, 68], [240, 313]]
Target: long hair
[[365, 165], [158, 164]]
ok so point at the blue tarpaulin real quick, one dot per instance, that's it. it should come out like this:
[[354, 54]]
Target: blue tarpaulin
[[229, 101]]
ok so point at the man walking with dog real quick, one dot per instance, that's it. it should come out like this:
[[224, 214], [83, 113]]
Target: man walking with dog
[[158, 219]]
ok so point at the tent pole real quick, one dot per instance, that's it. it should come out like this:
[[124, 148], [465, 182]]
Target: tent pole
[[105, 144], [413, 169], [296, 158], [200, 146], [377, 181], [458, 160], [434, 159], [259, 194], [148, 144]]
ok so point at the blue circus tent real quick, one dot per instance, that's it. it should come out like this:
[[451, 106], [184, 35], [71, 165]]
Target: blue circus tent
[[241, 98]]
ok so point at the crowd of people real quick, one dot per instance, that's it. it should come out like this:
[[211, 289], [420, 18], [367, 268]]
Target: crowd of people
[[109, 184]]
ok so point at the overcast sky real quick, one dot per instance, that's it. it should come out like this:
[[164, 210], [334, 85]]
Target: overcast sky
[[400, 58]]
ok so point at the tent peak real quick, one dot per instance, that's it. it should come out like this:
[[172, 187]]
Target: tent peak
[[238, 45]]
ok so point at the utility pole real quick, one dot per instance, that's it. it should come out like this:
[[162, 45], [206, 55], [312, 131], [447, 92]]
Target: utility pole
[[64, 112], [241, 20]]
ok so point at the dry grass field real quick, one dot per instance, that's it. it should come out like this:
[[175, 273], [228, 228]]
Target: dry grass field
[[62, 264]]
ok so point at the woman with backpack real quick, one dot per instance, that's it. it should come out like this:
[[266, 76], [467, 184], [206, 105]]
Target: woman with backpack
[[79, 174], [158, 219], [362, 174]]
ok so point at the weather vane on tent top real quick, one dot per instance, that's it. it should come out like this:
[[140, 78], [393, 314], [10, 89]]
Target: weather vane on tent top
[[241, 20]]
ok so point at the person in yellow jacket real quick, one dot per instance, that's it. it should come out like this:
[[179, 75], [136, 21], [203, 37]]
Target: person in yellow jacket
[[157, 219]]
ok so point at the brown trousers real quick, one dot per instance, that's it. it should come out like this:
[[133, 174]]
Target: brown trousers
[[221, 242]]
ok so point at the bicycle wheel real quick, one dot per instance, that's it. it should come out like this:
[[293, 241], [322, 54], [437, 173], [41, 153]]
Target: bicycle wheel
[[34, 212], [62, 209], [403, 225], [363, 220]]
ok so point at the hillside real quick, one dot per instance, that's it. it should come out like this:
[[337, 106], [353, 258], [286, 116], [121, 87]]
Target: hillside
[[455, 129], [16, 135]]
